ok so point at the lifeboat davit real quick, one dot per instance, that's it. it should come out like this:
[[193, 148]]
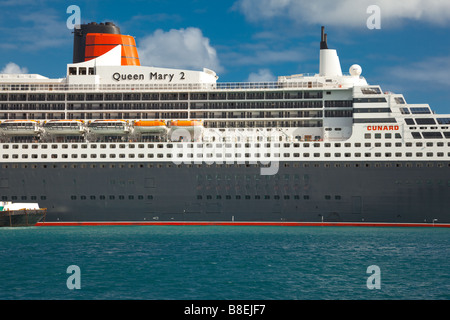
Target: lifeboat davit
[[150, 126], [106, 127], [65, 127], [19, 127]]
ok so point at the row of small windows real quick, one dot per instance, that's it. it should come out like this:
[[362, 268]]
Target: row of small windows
[[258, 145], [22, 198], [246, 165], [260, 114], [201, 178], [379, 135], [248, 177], [338, 104], [338, 113], [32, 106], [262, 124], [229, 145], [263, 197], [375, 120], [371, 110], [206, 197], [112, 197], [98, 106], [81, 71], [32, 97], [82, 197], [369, 100], [178, 105], [136, 96], [128, 106], [257, 105], [227, 155]]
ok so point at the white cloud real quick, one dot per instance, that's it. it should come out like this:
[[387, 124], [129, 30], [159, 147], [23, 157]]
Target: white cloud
[[35, 30], [263, 75], [183, 48], [430, 72], [13, 68], [345, 12], [268, 56]]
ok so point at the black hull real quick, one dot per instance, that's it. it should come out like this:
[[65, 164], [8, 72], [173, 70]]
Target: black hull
[[379, 192]]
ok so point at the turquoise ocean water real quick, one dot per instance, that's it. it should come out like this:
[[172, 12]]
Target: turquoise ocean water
[[224, 263]]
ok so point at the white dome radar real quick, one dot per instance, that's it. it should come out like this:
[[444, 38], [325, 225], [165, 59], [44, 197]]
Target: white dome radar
[[355, 70]]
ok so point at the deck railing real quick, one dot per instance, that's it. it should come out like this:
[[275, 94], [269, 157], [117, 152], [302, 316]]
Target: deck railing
[[11, 87]]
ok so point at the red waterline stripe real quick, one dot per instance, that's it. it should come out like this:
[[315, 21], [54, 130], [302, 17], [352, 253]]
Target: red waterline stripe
[[240, 223]]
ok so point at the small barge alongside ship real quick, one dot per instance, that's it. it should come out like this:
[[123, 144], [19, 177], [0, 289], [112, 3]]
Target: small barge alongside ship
[[20, 214]]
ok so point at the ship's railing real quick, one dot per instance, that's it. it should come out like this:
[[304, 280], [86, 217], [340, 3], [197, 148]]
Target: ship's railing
[[153, 87]]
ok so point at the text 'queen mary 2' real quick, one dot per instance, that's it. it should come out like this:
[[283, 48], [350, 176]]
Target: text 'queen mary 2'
[[118, 143]]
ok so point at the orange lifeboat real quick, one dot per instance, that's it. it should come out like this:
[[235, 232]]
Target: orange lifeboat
[[186, 124], [150, 126], [179, 127]]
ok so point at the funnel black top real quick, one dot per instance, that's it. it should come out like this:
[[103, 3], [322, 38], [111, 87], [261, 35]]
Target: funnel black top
[[323, 39]]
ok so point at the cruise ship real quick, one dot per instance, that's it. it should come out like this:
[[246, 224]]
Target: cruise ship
[[117, 143]]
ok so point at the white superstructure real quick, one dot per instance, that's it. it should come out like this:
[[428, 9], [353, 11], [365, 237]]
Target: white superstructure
[[325, 116]]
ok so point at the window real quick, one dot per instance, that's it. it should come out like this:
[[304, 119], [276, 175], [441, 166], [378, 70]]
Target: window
[[375, 120], [400, 100], [369, 100], [420, 110], [425, 121], [372, 110], [371, 90], [443, 120], [432, 135], [338, 104]]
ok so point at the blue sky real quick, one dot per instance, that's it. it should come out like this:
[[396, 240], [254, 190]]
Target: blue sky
[[249, 39]]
